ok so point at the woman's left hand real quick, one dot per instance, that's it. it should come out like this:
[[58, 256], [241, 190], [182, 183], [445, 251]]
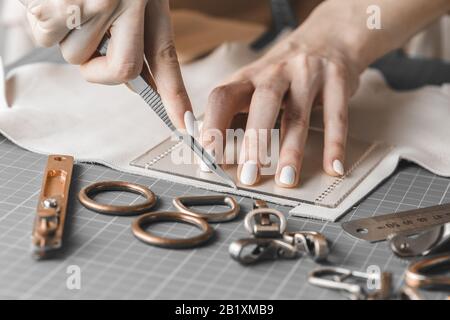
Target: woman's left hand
[[301, 71]]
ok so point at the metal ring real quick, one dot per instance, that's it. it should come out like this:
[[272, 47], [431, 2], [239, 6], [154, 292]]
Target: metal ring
[[147, 219], [248, 223], [416, 276], [183, 203], [85, 197]]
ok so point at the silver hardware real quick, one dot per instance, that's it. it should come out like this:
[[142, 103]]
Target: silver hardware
[[410, 222], [261, 249], [422, 244], [50, 203], [350, 282], [271, 241]]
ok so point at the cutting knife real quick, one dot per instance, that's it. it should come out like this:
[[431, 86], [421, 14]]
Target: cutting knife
[[153, 100]]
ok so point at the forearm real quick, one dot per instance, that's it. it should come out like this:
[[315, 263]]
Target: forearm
[[345, 24]]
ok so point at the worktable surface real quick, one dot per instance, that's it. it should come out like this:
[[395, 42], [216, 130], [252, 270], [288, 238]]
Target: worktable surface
[[115, 265]]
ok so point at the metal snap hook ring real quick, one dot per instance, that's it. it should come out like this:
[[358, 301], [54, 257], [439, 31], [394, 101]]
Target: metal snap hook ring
[[183, 204], [143, 221], [86, 194], [250, 224]]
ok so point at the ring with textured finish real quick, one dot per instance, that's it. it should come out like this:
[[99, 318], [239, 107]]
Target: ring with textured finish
[[86, 194], [139, 224], [183, 205]]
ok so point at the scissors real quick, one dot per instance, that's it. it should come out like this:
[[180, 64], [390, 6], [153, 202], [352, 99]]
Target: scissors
[[153, 100]]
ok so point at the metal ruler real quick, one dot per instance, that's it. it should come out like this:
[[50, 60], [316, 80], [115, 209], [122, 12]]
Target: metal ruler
[[407, 222]]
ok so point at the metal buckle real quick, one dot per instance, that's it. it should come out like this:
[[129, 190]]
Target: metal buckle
[[105, 186], [141, 222], [183, 203], [258, 222], [335, 279], [261, 249], [311, 243]]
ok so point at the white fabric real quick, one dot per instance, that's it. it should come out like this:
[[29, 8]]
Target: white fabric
[[53, 110]]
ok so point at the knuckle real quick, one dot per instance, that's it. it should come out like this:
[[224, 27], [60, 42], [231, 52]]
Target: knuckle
[[269, 86], [220, 95], [338, 70], [296, 118], [338, 145], [178, 93], [126, 71], [338, 118], [44, 39], [292, 153], [167, 53]]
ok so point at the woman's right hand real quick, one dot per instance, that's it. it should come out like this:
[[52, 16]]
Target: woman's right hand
[[137, 27]]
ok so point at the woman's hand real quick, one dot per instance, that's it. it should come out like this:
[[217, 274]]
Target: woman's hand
[[319, 63], [137, 27], [307, 68]]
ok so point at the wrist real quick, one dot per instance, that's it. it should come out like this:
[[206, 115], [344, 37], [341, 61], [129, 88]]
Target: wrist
[[339, 33]]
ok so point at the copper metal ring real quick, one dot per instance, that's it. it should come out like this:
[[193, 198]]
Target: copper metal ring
[[183, 203], [85, 197], [141, 222], [417, 274]]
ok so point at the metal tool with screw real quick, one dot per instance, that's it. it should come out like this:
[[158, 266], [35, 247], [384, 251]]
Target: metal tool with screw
[[49, 223]]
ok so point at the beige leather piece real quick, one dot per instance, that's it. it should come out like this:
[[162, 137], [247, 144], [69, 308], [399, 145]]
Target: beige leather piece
[[316, 187]]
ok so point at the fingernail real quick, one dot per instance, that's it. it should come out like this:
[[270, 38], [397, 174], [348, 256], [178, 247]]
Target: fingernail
[[338, 167], [287, 175], [249, 173], [203, 166], [189, 122]]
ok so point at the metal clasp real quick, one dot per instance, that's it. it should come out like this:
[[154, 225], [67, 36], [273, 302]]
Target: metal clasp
[[349, 283], [252, 250], [271, 241], [258, 221], [312, 243]]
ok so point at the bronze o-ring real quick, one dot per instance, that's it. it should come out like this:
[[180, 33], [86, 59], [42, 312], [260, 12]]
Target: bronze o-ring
[[86, 194], [149, 238], [183, 205]]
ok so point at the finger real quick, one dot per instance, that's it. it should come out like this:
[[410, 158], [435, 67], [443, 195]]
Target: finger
[[295, 121], [163, 61], [223, 104], [80, 45], [335, 120], [264, 108], [51, 21], [125, 56]]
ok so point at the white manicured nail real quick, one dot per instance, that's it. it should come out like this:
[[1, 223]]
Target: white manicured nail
[[249, 173], [338, 167], [203, 166], [287, 175], [189, 122]]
